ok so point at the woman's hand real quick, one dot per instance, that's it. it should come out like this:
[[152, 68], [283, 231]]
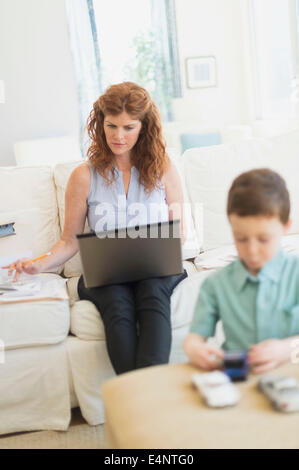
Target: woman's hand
[[202, 354], [19, 268], [268, 354]]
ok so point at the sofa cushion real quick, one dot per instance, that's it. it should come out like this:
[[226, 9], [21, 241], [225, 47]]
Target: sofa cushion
[[209, 172], [72, 284], [62, 172], [30, 198], [36, 323], [192, 140], [33, 234], [47, 151], [86, 322], [191, 246]]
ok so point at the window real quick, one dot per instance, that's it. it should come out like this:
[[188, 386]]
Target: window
[[115, 41], [272, 29]]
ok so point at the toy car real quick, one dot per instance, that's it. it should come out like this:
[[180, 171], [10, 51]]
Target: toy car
[[235, 365], [216, 389], [283, 392]]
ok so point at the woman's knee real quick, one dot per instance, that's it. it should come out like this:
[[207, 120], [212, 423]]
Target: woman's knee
[[112, 300]]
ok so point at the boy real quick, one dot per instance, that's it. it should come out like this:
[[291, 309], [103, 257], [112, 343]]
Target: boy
[[256, 296]]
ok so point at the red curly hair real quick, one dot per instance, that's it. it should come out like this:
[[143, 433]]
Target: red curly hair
[[149, 153]]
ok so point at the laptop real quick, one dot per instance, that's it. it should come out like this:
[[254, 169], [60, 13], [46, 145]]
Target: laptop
[[131, 253]]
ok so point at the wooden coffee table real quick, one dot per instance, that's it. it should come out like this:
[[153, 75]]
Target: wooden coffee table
[[157, 408]]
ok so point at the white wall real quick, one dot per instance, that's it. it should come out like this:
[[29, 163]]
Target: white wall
[[213, 27], [36, 65]]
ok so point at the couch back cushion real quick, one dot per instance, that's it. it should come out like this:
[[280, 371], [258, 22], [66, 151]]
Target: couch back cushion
[[62, 172], [190, 248], [47, 152], [32, 236], [209, 172], [28, 198]]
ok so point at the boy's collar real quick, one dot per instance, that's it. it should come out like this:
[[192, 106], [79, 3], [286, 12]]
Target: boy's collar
[[270, 270]]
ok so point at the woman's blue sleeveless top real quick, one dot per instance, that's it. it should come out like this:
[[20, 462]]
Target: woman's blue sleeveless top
[[109, 208]]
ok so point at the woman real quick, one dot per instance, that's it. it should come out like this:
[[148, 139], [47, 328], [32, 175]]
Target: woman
[[127, 164]]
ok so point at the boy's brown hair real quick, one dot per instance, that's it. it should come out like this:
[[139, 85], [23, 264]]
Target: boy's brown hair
[[259, 192]]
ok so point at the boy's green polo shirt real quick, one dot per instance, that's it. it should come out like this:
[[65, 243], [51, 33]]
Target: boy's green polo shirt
[[252, 309]]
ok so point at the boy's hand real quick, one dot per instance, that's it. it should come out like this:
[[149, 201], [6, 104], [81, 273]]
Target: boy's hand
[[202, 354], [269, 354], [209, 357]]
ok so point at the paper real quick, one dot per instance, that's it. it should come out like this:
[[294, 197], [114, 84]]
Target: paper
[[30, 288], [25, 286], [45, 289], [217, 258], [290, 244]]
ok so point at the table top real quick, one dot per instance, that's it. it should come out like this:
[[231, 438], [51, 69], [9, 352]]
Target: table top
[[157, 407]]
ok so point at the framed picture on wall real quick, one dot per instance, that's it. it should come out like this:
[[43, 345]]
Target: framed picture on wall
[[201, 72]]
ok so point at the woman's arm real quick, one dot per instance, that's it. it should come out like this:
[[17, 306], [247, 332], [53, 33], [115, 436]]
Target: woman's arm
[[175, 197], [75, 215]]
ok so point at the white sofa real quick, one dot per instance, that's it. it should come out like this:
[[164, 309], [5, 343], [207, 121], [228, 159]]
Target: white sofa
[[55, 354]]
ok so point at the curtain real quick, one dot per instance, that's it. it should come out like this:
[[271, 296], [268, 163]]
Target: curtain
[[173, 48], [168, 78], [86, 58]]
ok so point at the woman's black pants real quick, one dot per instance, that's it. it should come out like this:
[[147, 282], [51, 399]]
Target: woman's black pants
[[136, 317]]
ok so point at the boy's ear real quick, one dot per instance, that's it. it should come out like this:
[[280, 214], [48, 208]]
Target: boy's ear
[[287, 226]]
